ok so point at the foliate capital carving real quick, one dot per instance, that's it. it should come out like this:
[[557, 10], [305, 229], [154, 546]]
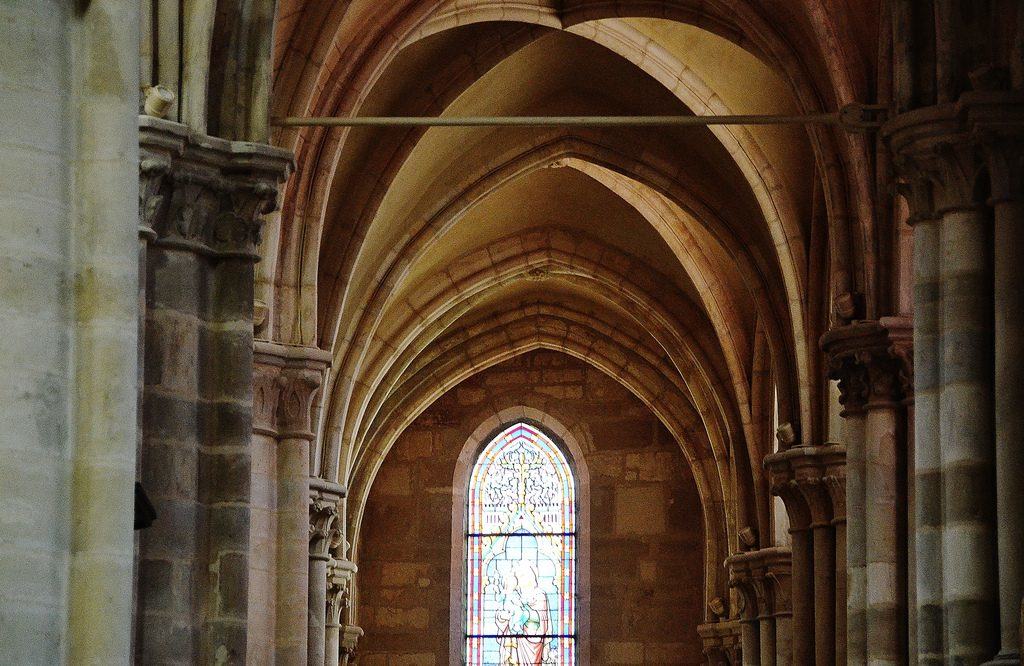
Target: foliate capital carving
[[933, 145], [203, 194], [940, 151], [762, 577], [324, 527], [873, 361], [805, 478], [286, 385]]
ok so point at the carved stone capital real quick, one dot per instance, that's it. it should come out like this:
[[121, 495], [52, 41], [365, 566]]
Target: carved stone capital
[[762, 577], [326, 537], [286, 386], [203, 194], [934, 145], [324, 527], [339, 577], [804, 478], [721, 642], [350, 635], [940, 151], [873, 361]]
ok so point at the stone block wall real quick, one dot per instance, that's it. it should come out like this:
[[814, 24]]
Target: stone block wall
[[646, 575]]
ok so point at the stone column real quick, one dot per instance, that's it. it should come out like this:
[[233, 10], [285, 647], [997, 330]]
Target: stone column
[[939, 151], [324, 536], [339, 576], [1005, 157], [927, 467], [966, 423], [835, 481], [799, 476], [204, 199], [871, 360], [299, 375], [762, 579]]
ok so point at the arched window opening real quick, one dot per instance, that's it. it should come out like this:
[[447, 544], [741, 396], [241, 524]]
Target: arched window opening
[[521, 553]]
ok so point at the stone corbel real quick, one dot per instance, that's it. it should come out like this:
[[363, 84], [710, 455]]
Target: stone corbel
[[204, 194]]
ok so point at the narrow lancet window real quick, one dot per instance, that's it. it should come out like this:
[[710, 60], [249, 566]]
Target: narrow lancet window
[[521, 553]]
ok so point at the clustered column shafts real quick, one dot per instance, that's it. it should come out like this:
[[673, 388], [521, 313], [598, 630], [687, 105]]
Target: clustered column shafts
[[763, 580], [942, 153], [871, 360], [201, 205], [325, 539], [293, 376], [807, 478]]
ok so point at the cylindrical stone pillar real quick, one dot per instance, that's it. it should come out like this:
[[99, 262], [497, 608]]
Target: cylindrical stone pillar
[[1009, 396], [839, 525], [293, 551], [317, 617], [927, 445], [767, 636], [824, 593], [751, 638], [803, 597], [856, 536], [884, 599], [970, 596], [332, 645], [783, 638]]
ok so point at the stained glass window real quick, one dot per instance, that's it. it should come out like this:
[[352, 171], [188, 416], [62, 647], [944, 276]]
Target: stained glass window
[[521, 553]]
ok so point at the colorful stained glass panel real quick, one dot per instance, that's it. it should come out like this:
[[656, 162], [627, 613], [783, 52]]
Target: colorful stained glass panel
[[521, 547]]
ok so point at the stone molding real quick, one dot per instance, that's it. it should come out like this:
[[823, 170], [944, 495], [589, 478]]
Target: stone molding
[[204, 194], [940, 151], [873, 361], [809, 479], [762, 578], [286, 386], [721, 641]]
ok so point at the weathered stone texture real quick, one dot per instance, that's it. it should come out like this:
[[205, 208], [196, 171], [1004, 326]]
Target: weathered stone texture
[[646, 572]]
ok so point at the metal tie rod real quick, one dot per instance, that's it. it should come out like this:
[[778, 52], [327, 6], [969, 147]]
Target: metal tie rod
[[852, 117]]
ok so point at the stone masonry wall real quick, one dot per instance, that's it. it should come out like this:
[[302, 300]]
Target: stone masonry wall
[[646, 573]]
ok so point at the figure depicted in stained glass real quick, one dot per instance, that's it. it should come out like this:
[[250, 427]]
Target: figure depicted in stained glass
[[524, 618], [521, 546]]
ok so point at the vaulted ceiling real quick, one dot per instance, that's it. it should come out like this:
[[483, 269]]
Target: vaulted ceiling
[[697, 266]]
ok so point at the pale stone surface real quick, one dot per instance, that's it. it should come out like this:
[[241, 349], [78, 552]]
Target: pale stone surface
[[68, 266]]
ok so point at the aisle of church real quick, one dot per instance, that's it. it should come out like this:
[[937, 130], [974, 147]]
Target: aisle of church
[[431, 332]]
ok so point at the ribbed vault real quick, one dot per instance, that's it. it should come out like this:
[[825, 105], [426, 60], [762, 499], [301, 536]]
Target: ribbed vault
[[687, 264]]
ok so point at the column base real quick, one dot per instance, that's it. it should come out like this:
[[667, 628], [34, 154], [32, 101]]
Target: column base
[[1004, 659]]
